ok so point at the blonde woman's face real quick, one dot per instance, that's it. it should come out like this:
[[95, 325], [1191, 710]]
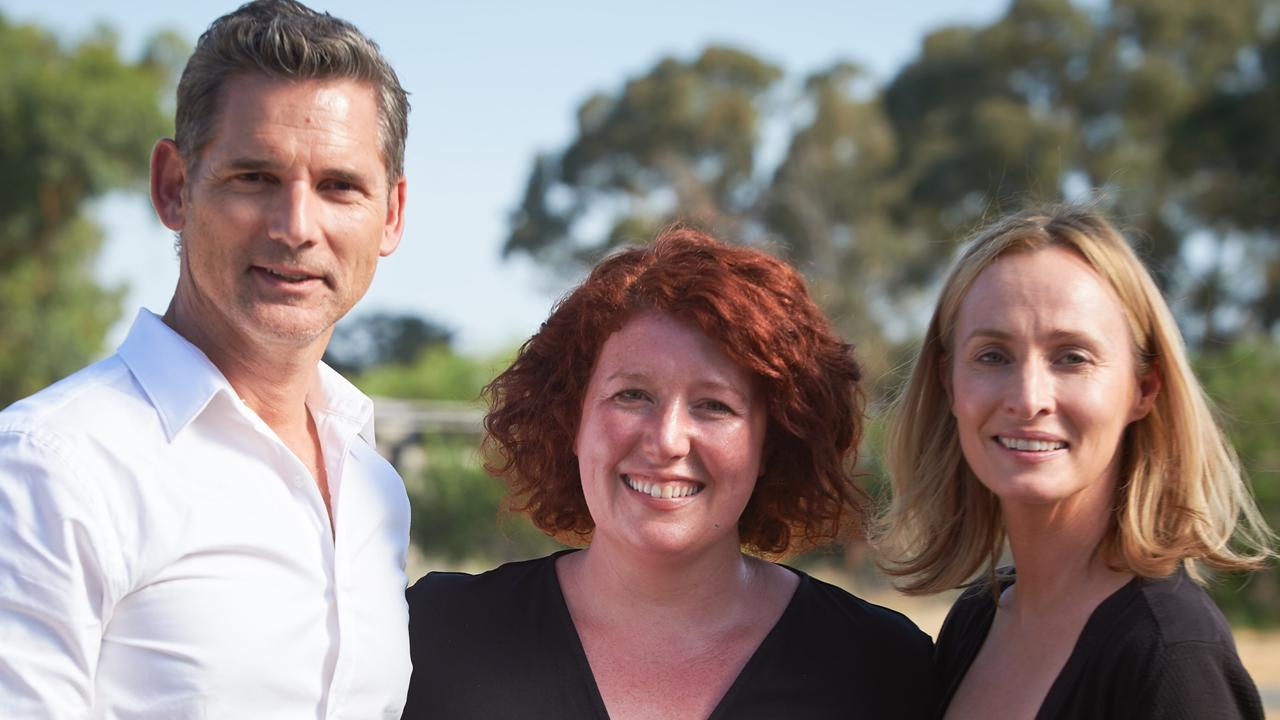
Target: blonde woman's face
[[1043, 380]]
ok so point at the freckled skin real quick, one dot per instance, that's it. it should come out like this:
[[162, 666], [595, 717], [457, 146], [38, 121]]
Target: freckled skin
[[1042, 350], [665, 403]]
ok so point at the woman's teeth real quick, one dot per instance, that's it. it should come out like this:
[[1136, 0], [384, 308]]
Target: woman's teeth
[[1031, 445], [666, 490]]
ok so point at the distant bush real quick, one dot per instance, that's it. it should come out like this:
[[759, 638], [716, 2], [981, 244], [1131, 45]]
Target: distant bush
[[1244, 380], [438, 373], [456, 509]]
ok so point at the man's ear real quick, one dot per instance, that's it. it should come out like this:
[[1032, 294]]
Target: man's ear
[[168, 184], [393, 229]]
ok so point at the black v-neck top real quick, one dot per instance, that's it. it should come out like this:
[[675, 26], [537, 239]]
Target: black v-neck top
[[502, 645], [1155, 648]]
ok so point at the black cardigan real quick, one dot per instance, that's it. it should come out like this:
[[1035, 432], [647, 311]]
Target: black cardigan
[[1156, 648]]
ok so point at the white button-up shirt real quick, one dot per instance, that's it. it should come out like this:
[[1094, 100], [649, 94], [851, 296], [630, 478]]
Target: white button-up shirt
[[164, 555]]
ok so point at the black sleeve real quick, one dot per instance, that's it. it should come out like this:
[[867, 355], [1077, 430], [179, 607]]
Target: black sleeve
[[1200, 681]]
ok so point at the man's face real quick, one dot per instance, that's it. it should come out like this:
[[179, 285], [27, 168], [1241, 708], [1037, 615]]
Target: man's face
[[286, 214]]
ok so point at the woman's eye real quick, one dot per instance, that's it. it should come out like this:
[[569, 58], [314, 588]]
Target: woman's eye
[[630, 394], [716, 406], [990, 357], [1074, 358]]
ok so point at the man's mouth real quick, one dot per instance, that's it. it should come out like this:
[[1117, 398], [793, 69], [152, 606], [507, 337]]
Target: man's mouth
[[286, 276], [289, 276], [666, 489]]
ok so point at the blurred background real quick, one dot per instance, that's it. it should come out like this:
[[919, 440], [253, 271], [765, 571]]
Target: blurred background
[[861, 141]]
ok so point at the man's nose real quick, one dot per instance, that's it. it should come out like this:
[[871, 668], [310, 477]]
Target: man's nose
[[293, 220]]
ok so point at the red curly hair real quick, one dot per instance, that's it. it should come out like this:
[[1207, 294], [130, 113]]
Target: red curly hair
[[759, 311]]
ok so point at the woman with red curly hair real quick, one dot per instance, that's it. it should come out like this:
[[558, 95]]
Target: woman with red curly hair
[[684, 411]]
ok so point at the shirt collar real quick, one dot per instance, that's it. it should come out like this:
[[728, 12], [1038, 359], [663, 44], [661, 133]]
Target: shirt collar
[[177, 377], [333, 395], [180, 380]]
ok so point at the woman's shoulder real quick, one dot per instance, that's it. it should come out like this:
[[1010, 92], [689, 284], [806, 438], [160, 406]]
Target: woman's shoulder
[[510, 583], [840, 615], [880, 662], [1166, 644], [1179, 611], [975, 606]]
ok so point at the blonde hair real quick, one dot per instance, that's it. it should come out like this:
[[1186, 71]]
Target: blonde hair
[[1181, 495]]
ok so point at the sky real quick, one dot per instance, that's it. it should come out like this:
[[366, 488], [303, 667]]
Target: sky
[[492, 83]]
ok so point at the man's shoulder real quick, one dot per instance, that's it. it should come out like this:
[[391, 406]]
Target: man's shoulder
[[99, 399]]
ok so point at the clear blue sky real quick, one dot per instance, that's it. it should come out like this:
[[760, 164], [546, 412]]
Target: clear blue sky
[[492, 83]]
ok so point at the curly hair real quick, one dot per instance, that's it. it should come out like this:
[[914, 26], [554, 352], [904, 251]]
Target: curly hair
[[758, 310]]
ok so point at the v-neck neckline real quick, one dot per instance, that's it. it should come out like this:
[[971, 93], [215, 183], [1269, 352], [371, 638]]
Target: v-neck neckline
[[1092, 635], [739, 682]]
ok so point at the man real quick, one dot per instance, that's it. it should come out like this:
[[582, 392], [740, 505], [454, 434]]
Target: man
[[198, 526]]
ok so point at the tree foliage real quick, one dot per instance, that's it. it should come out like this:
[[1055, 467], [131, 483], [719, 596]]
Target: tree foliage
[[1242, 381], [1160, 113], [456, 509], [367, 341], [876, 185], [438, 373], [75, 123]]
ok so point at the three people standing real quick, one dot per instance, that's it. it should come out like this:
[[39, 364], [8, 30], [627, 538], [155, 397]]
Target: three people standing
[[199, 526]]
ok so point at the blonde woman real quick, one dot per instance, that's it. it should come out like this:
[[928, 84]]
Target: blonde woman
[[1053, 407]]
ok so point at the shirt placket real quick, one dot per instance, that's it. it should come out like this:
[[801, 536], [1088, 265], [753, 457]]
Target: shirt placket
[[336, 455]]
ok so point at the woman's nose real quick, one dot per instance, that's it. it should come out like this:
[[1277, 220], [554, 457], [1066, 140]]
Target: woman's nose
[[1030, 391], [670, 433]]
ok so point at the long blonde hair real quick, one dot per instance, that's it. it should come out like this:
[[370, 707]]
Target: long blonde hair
[[1182, 496]]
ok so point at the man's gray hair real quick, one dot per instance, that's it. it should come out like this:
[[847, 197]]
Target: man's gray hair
[[287, 40]]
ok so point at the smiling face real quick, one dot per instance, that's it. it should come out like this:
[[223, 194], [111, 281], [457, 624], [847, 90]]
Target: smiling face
[[1043, 379], [670, 441], [285, 214]]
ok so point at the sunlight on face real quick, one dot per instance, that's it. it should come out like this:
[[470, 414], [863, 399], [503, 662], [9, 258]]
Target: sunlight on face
[[670, 442], [289, 209], [1043, 379]]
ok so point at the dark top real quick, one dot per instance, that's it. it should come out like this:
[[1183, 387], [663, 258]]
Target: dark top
[[1156, 648], [502, 645]]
